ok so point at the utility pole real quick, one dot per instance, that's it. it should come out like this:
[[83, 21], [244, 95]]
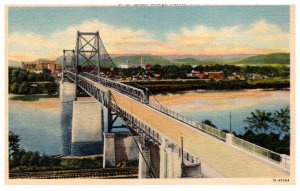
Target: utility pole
[[182, 161], [230, 122]]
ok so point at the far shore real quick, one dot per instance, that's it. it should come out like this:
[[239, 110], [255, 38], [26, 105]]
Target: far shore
[[40, 101], [166, 98]]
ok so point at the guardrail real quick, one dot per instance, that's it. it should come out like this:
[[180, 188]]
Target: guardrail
[[176, 149], [197, 125], [266, 153], [133, 92], [140, 127]]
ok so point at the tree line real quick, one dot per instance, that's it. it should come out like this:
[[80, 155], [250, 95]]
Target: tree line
[[21, 157], [269, 129], [23, 160], [23, 82], [179, 72]]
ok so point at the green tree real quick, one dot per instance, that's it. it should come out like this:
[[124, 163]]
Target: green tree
[[208, 122], [14, 144], [259, 121], [32, 77], [156, 68], [14, 87], [281, 119], [51, 88], [23, 88]]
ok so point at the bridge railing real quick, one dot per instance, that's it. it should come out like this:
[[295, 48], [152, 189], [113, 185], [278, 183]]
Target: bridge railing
[[178, 150], [266, 153], [133, 92], [153, 135], [98, 94], [135, 122], [197, 125], [258, 150]]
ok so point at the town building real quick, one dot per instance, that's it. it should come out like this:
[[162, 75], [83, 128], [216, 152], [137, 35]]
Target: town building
[[254, 76], [40, 64], [127, 65], [236, 76], [206, 75]]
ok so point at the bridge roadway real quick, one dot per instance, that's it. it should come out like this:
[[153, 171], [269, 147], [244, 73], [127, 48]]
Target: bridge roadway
[[225, 159]]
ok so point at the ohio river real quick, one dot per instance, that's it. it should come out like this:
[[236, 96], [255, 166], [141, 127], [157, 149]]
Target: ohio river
[[38, 122]]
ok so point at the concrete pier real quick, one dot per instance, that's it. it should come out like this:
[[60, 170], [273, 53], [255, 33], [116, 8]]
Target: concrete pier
[[144, 162], [109, 152], [66, 96], [87, 128], [119, 147], [165, 162]]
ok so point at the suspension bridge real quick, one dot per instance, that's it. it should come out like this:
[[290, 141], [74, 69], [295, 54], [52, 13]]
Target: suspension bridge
[[167, 144]]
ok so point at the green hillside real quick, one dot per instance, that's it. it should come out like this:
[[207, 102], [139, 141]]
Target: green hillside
[[195, 61], [274, 58], [147, 59], [268, 59]]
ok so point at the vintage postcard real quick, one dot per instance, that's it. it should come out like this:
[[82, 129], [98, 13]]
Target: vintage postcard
[[151, 94]]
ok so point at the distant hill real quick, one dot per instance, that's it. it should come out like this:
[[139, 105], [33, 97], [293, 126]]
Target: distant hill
[[274, 58], [196, 61], [147, 59], [262, 59]]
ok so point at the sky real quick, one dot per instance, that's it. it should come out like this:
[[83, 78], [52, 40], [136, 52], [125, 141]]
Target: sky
[[43, 32]]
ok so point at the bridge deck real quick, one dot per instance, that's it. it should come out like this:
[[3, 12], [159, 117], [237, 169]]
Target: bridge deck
[[226, 160]]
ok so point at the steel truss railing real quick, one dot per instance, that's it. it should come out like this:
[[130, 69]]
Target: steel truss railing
[[147, 131], [98, 94], [133, 92]]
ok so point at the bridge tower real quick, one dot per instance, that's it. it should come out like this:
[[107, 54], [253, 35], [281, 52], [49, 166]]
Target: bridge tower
[[87, 53], [68, 61]]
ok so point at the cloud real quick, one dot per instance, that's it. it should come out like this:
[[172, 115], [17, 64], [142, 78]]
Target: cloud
[[258, 37]]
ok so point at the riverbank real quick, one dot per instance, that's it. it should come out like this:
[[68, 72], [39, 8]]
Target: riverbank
[[162, 86], [40, 101]]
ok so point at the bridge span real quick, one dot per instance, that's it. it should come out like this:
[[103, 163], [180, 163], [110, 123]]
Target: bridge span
[[211, 152], [170, 145]]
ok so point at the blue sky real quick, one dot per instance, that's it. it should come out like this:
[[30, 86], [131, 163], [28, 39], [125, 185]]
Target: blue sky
[[158, 25]]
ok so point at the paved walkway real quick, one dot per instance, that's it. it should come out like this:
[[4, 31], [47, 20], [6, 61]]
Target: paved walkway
[[226, 160]]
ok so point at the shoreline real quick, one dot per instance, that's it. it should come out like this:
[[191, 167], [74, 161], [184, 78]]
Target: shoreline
[[39, 101], [158, 87], [53, 102], [216, 100]]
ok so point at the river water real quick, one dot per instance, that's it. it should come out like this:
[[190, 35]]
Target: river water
[[217, 105], [38, 122]]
